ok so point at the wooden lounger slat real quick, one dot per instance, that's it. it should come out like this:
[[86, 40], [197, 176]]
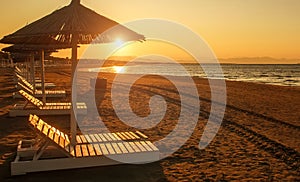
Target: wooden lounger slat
[[116, 136], [121, 136], [140, 146], [116, 148], [107, 137], [112, 136], [102, 137], [145, 145], [129, 135], [40, 125], [135, 136], [97, 149], [141, 134], [98, 138], [67, 139], [134, 147], [91, 150], [125, 136], [62, 141], [128, 147], [46, 129], [83, 139], [88, 139], [84, 150], [71, 150], [94, 139], [78, 151], [122, 147], [51, 133], [67, 148], [110, 148], [33, 120], [56, 137], [78, 139], [103, 149], [152, 146]]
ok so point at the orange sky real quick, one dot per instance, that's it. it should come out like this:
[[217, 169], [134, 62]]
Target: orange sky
[[233, 28]]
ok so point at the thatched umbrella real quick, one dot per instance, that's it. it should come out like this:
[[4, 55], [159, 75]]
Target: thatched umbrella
[[6, 56], [72, 25], [30, 51]]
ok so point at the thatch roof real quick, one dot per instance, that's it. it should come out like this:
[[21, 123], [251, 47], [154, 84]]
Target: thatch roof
[[20, 55], [3, 55], [60, 25], [22, 48], [20, 52]]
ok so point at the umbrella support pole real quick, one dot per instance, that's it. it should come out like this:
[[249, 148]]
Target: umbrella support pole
[[26, 69], [32, 72], [73, 122], [43, 76]]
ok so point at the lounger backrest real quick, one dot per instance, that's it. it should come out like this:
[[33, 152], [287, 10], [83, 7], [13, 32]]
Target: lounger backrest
[[52, 134], [36, 102], [25, 88], [23, 80], [17, 70]]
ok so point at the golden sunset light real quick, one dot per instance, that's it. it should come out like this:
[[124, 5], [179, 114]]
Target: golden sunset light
[[154, 91], [234, 29]]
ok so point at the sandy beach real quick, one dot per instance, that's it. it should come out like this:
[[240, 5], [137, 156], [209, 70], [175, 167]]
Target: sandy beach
[[258, 140]]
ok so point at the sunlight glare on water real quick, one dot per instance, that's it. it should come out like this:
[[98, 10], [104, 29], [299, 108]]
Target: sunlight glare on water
[[118, 69], [287, 75]]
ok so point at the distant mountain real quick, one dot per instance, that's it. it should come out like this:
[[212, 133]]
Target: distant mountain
[[239, 60], [259, 60], [122, 60]]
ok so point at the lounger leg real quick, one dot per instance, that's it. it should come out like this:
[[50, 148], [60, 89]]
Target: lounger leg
[[25, 104], [41, 150]]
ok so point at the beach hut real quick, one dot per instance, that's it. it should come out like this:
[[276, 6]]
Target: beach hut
[[72, 25]]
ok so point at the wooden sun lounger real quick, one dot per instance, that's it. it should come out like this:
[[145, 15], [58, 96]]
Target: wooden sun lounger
[[92, 153], [37, 85], [35, 106], [18, 74], [17, 70], [38, 93]]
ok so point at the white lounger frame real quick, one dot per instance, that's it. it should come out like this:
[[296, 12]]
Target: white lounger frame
[[38, 93], [35, 106], [134, 148], [37, 85]]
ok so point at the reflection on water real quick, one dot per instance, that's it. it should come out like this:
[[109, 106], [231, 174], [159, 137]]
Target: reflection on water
[[288, 75], [119, 69], [112, 69]]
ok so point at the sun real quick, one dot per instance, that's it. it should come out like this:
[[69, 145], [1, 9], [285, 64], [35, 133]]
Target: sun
[[119, 42]]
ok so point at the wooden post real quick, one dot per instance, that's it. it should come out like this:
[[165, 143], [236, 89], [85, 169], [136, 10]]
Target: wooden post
[[75, 2], [43, 75], [73, 122], [26, 69], [32, 71], [11, 60]]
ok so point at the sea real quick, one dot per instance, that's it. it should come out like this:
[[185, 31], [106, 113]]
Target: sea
[[274, 74]]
